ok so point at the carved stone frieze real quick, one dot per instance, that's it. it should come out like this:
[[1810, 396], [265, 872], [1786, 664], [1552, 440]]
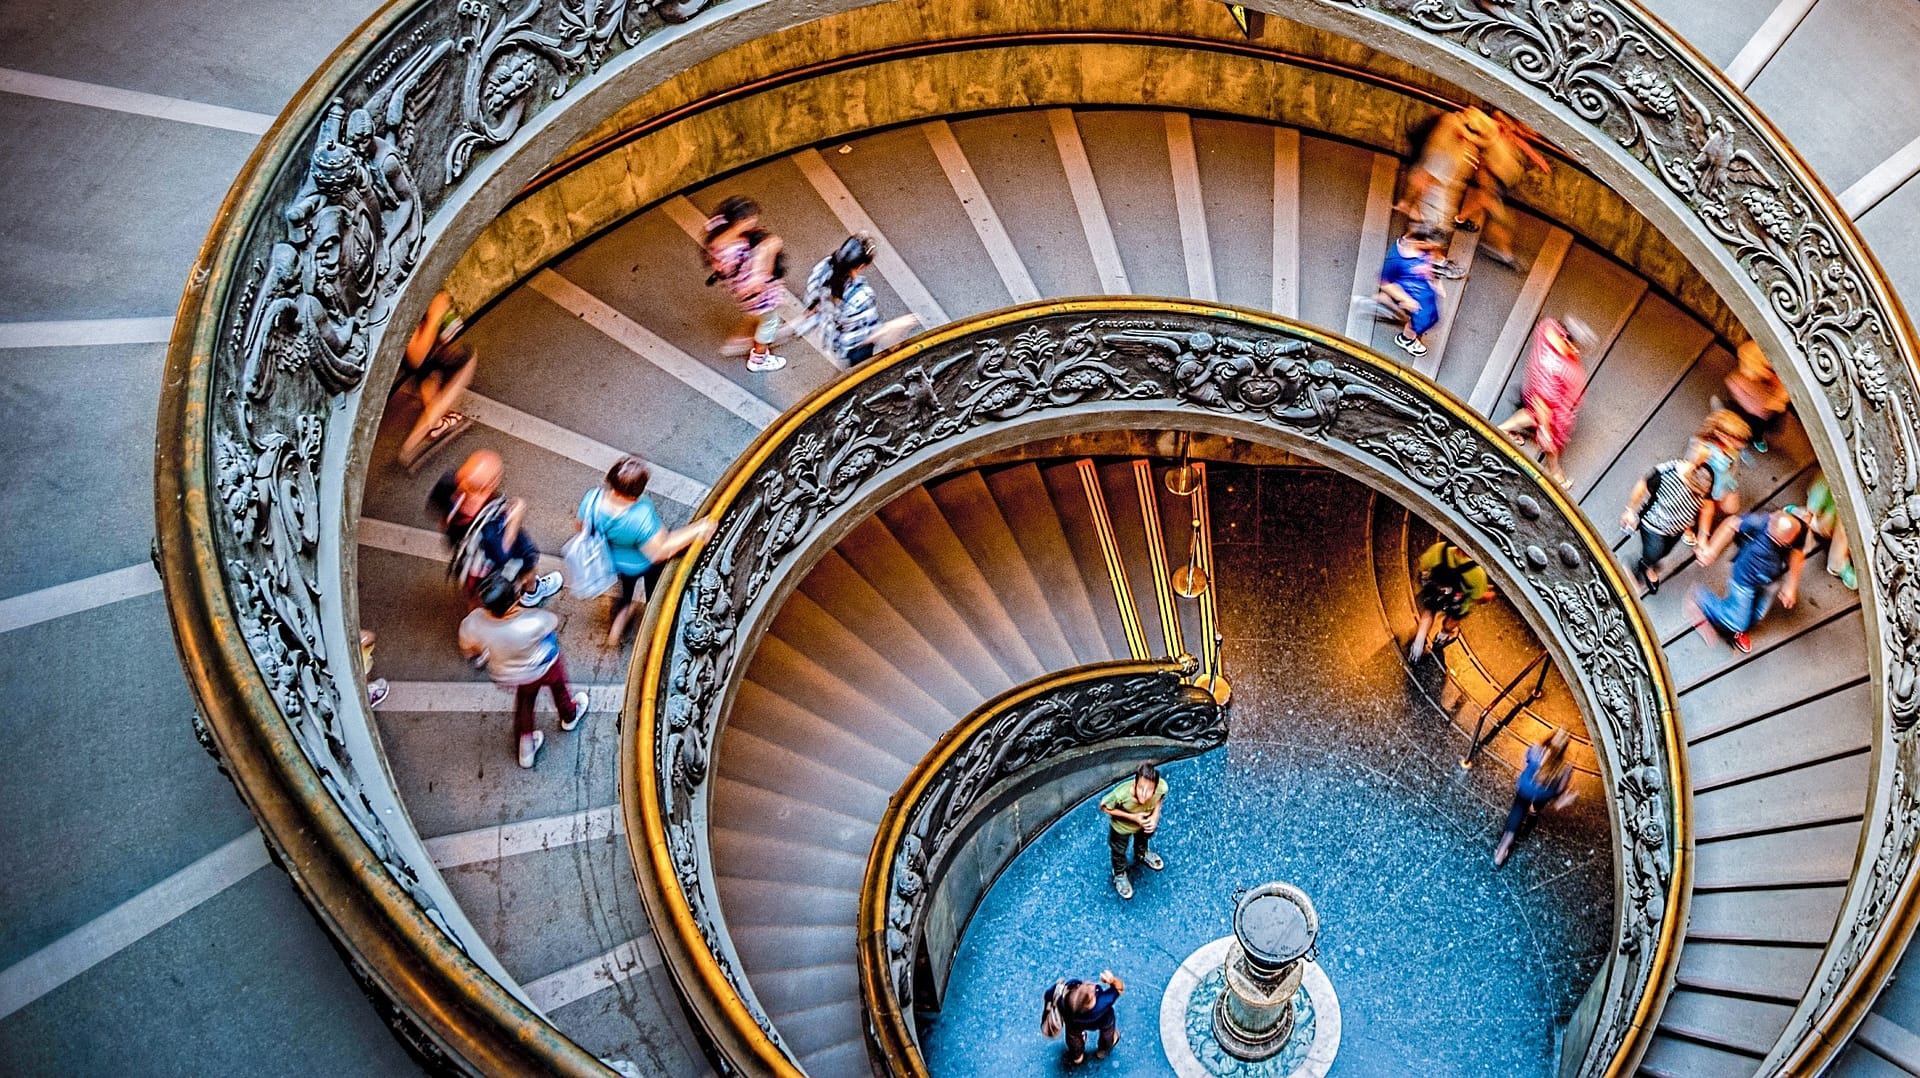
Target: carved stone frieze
[[1079, 715], [1183, 364], [339, 230], [1618, 75]]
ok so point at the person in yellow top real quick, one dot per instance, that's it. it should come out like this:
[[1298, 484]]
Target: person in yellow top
[[1133, 811]]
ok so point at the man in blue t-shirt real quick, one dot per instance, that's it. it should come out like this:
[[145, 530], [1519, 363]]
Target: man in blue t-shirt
[[1083, 1006], [1772, 551]]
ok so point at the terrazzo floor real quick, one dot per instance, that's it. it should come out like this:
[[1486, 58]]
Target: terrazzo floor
[[1340, 777]]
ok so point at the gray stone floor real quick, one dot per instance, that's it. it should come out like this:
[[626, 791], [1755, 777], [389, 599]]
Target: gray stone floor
[[1339, 777]]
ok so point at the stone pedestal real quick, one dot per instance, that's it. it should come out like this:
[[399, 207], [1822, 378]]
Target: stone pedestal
[[1254, 1004], [1274, 928]]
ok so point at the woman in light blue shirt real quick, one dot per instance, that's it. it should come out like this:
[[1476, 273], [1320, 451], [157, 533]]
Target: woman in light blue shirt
[[622, 514]]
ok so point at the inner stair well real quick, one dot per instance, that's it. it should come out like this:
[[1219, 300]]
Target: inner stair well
[[949, 595]]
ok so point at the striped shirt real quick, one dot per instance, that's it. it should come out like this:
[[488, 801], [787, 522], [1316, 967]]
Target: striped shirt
[[845, 325], [1671, 506]]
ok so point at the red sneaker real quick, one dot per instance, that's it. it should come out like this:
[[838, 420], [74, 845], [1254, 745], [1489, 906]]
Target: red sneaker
[[1741, 641]]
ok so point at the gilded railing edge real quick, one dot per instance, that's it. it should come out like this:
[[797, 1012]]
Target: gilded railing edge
[[887, 1023], [685, 944], [1820, 302]]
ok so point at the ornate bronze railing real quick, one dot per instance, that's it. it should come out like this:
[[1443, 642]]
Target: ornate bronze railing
[[1653, 118], [998, 380], [1071, 722], [418, 129]]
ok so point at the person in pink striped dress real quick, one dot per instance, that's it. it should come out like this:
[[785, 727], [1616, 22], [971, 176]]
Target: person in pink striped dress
[[1550, 397]]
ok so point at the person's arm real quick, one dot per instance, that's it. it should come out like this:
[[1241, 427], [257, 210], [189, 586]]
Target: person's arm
[[1636, 501], [665, 544], [765, 253], [1122, 814], [1790, 586], [470, 649], [1119, 986], [1723, 535]]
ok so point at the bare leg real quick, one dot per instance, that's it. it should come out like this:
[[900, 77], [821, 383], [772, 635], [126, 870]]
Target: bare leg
[[1420, 631], [437, 399], [1517, 425], [893, 331], [1552, 461], [1837, 552]]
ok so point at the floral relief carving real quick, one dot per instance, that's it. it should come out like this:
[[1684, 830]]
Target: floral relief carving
[[1175, 362], [1156, 705]]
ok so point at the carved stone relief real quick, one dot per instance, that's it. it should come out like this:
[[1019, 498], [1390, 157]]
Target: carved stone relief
[[1155, 705], [1182, 363], [1613, 70]]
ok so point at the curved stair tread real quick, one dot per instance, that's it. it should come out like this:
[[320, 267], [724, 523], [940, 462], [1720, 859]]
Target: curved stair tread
[[777, 902], [862, 662], [1832, 726], [1746, 1025], [1028, 508], [752, 759], [763, 713], [928, 537], [1750, 969], [878, 555], [1674, 1057], [1821, 793], [838, 587], [1814, 854], [1795, 915], [792, 674], [751, 809], [983, 532]]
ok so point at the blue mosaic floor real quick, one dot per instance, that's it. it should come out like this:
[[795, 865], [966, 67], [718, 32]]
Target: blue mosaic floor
[[1340, 778]]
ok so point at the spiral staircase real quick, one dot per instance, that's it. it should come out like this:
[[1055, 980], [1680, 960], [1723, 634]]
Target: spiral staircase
[[980, 580]]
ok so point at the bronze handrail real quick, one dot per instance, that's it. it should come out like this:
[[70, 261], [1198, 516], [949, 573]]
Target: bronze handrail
[[855, 441], [893, 1036]]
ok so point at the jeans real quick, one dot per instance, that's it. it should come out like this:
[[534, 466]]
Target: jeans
[[1117, 846], [1521, 816], [1743, 606], [555, 682], [1654, 547]]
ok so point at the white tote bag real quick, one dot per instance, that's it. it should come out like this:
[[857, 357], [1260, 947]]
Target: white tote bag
[[589, 563]]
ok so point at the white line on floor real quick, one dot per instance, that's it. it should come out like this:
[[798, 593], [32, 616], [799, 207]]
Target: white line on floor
[[1519, 324], [34, 607], [1286, 221], [986, 223], [886, 257], [556, 990], [1086, 201], [682, 212], [85, 332], [28, 84], [1882, 180], [578, 447], [653, 348], [420, 542], [526, 836], [483, 696], [1767, 40], [1195, 244], [1373, 244], [128, 923]]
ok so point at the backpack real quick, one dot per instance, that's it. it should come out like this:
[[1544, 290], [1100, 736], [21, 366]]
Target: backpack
[[1051, 1024], [470, 564]]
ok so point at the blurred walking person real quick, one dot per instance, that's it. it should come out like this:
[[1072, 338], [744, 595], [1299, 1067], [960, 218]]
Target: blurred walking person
[[749, 260], [1545, 784], [1448, 157], [440, 368], [520, 649], [1451, 583], [1756, 394], [1074, 1008], [1555, 385], [1505, 158], [1410, 292], [840, 303], [487, 531], [1772, 551], [1668, 502], [621, 514]]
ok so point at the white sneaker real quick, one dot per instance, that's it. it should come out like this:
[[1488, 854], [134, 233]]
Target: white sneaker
[[377, 691], [761, 363], [579, 710], [530, 748], [544, 588]]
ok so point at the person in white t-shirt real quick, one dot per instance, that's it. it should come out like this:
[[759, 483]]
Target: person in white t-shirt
[[521, 651]]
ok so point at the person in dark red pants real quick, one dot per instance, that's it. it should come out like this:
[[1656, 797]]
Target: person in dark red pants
[[520, 649]]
